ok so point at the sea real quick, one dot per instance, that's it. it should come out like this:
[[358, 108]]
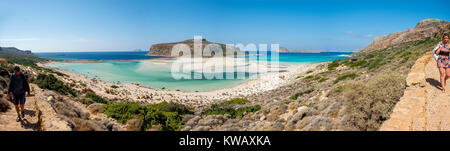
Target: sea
[[135, 67]]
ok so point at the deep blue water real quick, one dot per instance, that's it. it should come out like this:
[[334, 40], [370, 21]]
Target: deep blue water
[[140, 55], [130, 55]]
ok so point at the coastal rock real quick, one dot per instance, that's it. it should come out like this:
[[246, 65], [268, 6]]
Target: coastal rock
[[188, 117], [112, 126], [186, 128], [193, 121], [95, 108], [51, 99], [208, 122], [262, 118], [134, 124], [202, 128], [212, 120]]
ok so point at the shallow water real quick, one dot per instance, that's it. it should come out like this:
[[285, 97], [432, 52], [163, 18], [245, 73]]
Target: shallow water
[[155, 74]]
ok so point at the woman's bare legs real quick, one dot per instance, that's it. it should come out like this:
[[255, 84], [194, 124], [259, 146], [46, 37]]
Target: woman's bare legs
[[447, 75], [443, 77]]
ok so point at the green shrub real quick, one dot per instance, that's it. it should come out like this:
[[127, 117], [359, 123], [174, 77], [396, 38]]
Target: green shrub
[[309, 91], [170, 121], [347, 75], [168, 115], [122, 112], [358, 63], [235, 113], [171, 107], [333, 65], [50, 82], [316, 78], [377, 63], [296, 95], [323, 80], [235, 101], [369, 56], [309, 77], [96, 98]]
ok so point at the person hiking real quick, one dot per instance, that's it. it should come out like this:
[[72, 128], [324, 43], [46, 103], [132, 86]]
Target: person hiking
[[441, 54], [18, 85]]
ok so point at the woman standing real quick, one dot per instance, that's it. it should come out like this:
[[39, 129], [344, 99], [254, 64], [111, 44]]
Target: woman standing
[[441, 54]]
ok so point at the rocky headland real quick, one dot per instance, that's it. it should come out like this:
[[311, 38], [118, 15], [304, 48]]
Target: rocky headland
[[165, 49]]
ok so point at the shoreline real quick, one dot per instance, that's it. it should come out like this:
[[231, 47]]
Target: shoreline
[[141, 94]]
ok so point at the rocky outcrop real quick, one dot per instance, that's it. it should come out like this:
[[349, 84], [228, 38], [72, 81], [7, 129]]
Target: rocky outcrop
[[165, 49], [433, 28]]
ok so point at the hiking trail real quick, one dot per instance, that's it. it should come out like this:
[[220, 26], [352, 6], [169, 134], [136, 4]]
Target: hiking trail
[[423, 106], [30, 122]]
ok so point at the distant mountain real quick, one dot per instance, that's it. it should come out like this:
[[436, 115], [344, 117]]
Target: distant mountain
[[165, 49], [23, 57], [138, 50], [433, 28], [15, 50]]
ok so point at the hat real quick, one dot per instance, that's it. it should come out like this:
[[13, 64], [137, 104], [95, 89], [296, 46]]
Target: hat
[[16, 69]]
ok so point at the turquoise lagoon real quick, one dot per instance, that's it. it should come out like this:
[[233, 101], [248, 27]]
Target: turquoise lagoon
[[134, 67]]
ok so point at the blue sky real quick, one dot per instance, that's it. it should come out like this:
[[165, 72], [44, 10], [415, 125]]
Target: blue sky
[[111, 25]]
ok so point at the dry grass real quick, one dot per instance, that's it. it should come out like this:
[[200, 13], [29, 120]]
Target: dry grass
[[369, 104], [86, 125]]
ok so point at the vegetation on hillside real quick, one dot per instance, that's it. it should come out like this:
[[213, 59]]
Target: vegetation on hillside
[[357, 93], [166, 115], [4, 80], [50, 82], [372, 85], [228, 107], [16, 56], [96, 98]]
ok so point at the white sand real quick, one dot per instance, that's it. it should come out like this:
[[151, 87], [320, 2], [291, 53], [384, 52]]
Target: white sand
[[140, 94]]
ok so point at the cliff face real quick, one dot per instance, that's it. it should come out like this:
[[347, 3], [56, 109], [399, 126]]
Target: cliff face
[[433, 28], [165, 49]]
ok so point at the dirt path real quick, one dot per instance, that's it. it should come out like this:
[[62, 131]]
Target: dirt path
[[28, 123], [423, 107]]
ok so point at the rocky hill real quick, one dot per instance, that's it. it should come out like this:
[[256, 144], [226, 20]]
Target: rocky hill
[[14, 49], [433, 28], [165, 49]]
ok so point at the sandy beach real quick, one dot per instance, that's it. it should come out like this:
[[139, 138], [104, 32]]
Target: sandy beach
[[140, 94]]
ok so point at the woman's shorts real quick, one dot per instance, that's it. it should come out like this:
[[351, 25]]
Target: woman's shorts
[[19, 99]]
